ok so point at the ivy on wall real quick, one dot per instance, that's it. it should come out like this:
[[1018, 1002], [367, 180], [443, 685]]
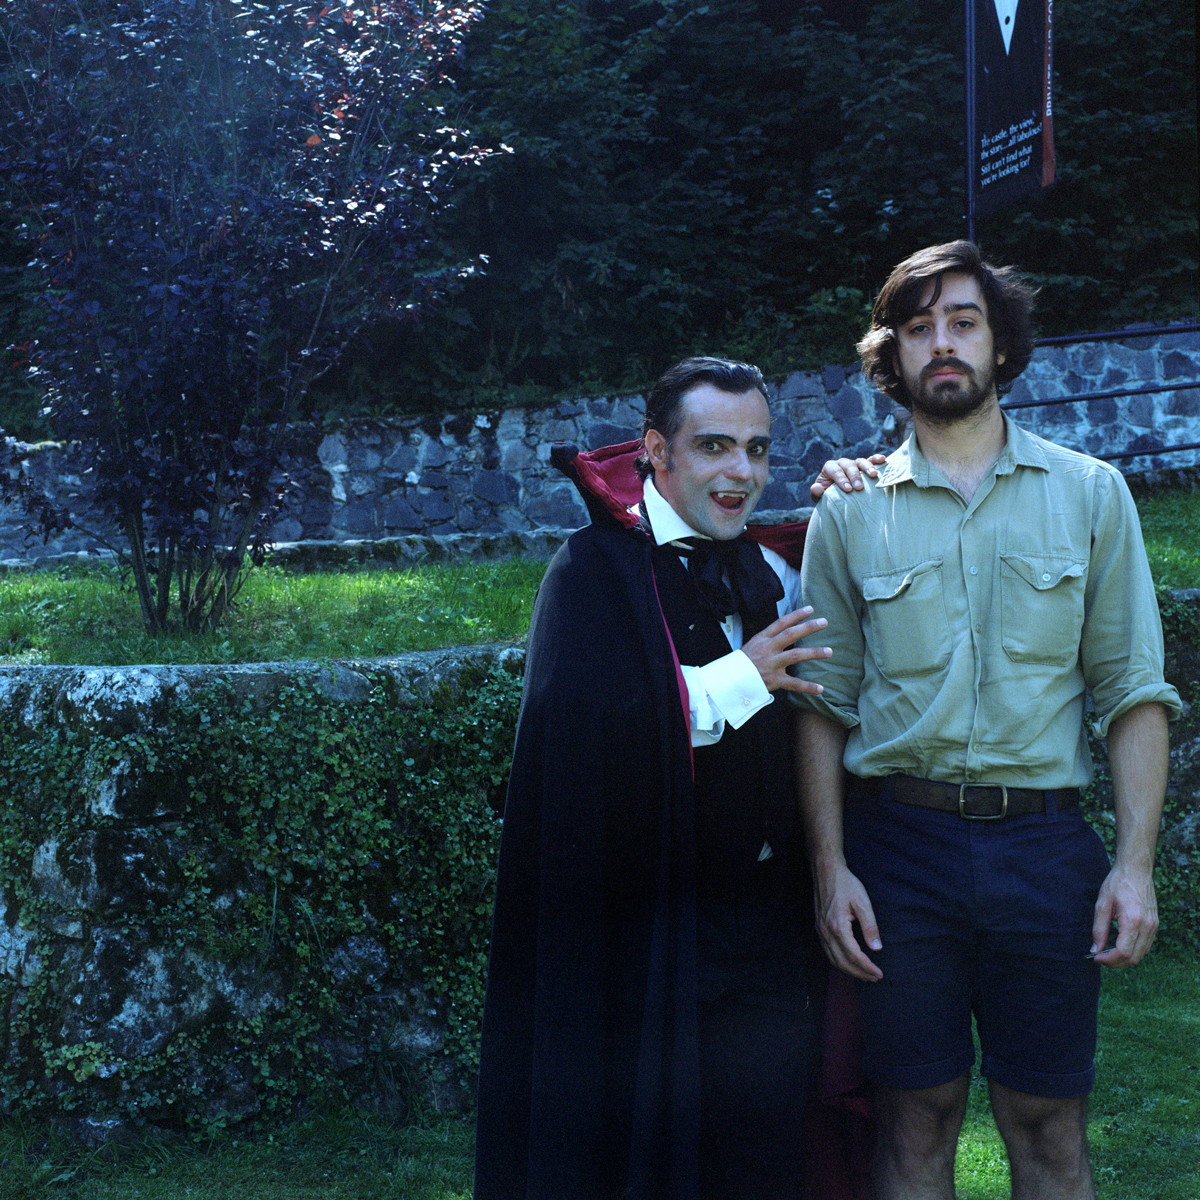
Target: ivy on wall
[[255, 843]]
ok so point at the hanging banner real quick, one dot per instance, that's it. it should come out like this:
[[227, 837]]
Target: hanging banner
[[1010, 120]]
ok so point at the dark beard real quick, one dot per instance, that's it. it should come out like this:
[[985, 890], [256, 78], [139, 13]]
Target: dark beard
[[947, 402]]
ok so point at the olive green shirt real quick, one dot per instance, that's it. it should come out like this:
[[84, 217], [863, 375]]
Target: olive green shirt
[[964, 635]]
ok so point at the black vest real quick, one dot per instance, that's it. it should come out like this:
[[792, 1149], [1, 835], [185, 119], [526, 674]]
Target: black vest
[[743, 783]]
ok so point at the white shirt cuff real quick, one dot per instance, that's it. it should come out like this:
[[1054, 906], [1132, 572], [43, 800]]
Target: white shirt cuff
[[726, 690]]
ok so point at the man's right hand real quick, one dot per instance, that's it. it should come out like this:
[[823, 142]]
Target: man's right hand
[[774, 650], [841, 902]]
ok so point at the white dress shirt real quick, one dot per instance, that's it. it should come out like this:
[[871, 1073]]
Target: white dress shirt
[[728, 690]]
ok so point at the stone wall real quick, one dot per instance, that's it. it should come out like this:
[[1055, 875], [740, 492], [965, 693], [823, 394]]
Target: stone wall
[[484, 480], [77, 928]]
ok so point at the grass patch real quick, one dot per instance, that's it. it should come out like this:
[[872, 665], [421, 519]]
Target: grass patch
[[339, 1157], [1144, 1116], [1171, 527], [90, 615]]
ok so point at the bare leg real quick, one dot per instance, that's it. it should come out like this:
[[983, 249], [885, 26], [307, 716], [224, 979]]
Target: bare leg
[[1047, 1145], [918, 1137]]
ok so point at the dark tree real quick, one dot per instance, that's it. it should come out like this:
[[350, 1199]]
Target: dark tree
[[218, 195], [739, 177]]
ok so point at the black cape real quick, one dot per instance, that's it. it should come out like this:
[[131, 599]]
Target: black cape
[[588, 1083]]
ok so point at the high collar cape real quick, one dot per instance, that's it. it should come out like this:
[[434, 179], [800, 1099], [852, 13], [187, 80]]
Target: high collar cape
[[588, 1078]]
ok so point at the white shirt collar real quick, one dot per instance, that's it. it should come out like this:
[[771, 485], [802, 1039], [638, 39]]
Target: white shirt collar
[[667, 524]]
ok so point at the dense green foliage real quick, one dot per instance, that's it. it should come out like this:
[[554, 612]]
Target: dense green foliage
[[738, 177], [300, 822]]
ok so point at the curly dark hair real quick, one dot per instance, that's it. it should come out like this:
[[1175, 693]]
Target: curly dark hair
[[1008, 295], [664, 401]]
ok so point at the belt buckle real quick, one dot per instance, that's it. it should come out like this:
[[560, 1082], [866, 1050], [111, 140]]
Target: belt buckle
[[966, 816]]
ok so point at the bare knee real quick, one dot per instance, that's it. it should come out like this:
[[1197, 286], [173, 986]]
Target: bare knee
[[918, 1136], [1046, 1139]]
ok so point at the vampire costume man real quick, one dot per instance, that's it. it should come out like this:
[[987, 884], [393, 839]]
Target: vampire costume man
[[649, 1031]]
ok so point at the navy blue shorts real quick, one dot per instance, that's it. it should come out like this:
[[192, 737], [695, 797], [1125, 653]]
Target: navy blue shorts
[[991, 918]]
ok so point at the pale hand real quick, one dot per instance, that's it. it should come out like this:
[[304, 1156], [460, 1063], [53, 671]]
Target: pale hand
[[774, 650], [845, 473]]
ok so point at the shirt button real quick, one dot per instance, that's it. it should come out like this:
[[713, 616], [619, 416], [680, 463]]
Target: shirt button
[[1046, 578], [974, 570]]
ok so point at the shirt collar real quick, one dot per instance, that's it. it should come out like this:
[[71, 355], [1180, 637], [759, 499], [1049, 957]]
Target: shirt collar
[[666, 524], [908, 463]]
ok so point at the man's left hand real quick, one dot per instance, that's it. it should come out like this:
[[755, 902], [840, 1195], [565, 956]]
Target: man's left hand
[[845, 473], [1127, 898]]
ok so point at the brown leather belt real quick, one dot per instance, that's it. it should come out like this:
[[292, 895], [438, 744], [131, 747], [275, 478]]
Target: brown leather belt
[[973, 801]]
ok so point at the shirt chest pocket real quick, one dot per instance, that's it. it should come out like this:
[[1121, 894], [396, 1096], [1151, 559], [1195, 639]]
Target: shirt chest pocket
[[905, 620], [1041, 607]]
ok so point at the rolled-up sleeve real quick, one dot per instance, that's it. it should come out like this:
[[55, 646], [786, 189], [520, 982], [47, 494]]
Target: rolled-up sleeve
[[825, 583], [1121, 649]]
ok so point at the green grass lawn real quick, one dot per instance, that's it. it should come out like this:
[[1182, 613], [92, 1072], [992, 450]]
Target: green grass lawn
[[1171, 527], [91, 615], [1144, 1128]]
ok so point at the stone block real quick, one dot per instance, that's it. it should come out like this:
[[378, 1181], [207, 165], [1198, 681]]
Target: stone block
[[1113, 378], [855, 429], [1141, 411], [127, 791], [400, 461], [290, 529], [801, 384], [496, 487], [359, 517], [126, 870], [434, 454], [1177, 365], [781, 432], [1184, 403], [395, 512], [19, 963], [434, 506], [815, 456], [516, 457], [630, 411], [332, 451], [779, 495], [512, 425], [848, 402], [114, 701], [603, 433], [563, 431], [833, 379], [363, 458], [560, 507]]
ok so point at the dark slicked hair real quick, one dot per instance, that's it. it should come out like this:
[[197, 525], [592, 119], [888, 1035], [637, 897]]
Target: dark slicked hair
[[664, 403], [1007, 294]]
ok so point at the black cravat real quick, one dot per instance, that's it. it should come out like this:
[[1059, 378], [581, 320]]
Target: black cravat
[[731, 576]]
